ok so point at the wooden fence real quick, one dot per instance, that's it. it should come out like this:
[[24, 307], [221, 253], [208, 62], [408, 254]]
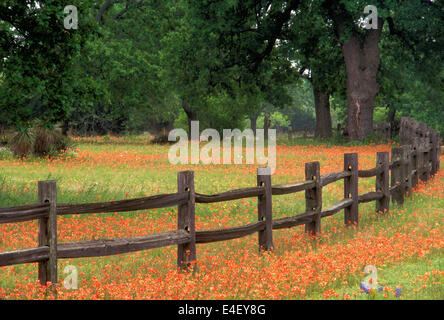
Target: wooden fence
[[382, 130], [407, 166]]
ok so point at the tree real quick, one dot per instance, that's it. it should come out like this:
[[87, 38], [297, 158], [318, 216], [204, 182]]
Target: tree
[[310, 43], [36, 60], [123, 66], [407, 20]]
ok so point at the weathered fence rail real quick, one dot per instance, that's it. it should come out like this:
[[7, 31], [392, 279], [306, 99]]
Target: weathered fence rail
[[413, 162]]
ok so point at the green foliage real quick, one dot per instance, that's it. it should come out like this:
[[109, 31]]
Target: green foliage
[[132, 67], [411, 75], [380, 114], [301, 110], [36, 60], [277, 120]]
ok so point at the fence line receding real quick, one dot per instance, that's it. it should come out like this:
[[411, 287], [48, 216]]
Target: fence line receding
[[417, 159]]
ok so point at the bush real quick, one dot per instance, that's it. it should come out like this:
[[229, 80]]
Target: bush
[[39, 141], [49, 142], [22, 143]]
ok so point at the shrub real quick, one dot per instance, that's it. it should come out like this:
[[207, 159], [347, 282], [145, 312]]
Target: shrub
[[49, 142], [45, 139], [39, 141], [22, 143]]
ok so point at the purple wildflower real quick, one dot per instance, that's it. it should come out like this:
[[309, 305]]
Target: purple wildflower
[[364, 288]]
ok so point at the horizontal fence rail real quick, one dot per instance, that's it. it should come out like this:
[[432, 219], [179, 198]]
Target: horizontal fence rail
[[230, 195], [24, 213], [153, 202], [395, 176]]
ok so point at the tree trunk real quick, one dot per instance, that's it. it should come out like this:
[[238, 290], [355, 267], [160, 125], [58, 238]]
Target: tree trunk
[[323, 127], [65, 128], [267, 123], [362, 61], [191, 114], [253, 120]]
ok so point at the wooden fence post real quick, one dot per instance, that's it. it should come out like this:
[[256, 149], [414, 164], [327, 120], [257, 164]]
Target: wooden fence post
[[47, 270], [429, 141], [422, 160], [407, 169], [434, 152], [186, 253], [427, 157], [397, 179], [404, 129], [265, 209], [313, 197], [414, 162], [351, 188], [382, 182]]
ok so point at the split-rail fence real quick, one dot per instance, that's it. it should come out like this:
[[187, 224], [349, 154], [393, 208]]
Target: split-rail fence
[[395, 178]]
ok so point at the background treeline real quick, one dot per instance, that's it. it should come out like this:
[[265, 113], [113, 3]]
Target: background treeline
[[146, 65]]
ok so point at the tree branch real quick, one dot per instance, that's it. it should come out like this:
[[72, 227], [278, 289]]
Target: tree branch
[[107, 5], [280, 19], [401, 35], [127, 8]]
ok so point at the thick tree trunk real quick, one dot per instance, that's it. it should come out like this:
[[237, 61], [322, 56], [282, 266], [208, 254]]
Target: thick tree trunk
[[323, 127], [253, 120], [362, 61], [191, 114]]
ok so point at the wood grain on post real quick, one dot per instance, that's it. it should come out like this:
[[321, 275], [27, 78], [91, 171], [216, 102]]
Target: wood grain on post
[[186, 253], [427, 157], [407, 169], [431, 152], [264, 209], [351, 188], [412, 125], [313, 198], [396, 177], [423, 163], [415, 162], [382, 182], [47, 194], [419, 157], [404, 129]]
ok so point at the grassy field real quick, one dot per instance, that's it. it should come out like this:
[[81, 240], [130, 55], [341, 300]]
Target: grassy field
[[406, 245]]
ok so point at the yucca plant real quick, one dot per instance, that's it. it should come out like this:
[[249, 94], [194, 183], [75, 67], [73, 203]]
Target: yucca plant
[[22, 142]]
